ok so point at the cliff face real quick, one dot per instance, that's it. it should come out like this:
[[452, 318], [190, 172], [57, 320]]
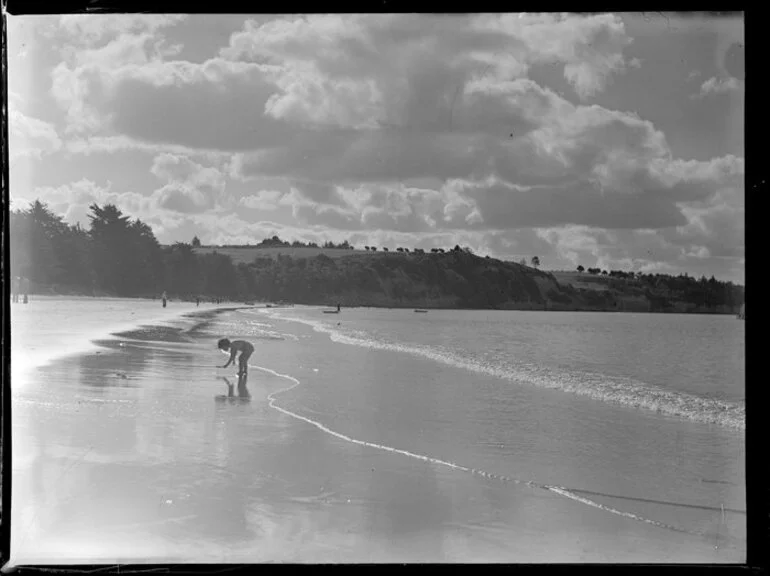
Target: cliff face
[[451, 280]]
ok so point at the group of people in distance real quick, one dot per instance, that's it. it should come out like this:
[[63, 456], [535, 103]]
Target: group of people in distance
[[20, 288], [164, 298]]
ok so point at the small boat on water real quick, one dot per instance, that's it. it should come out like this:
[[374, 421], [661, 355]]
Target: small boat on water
[[337, 311], [421, 311]]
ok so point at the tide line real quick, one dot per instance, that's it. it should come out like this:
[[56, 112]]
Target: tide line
[[559, 490]]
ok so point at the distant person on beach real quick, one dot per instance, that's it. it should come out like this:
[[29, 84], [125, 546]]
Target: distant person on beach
[[246, 350], [15, 289], [198, 301], [164, 298], [25, 289], [338, 307]]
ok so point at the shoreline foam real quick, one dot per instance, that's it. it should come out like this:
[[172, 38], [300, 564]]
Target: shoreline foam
[[612, 390]]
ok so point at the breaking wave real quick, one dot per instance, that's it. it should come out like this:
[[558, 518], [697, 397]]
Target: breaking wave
[[601, 387]]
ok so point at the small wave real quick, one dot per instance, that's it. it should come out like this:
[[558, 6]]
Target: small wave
[[558, 490], [71, 406], [91, 400], [614, 390], [268, 337], [236, 328]]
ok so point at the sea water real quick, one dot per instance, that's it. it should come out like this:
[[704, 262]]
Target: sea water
[[384, 435]]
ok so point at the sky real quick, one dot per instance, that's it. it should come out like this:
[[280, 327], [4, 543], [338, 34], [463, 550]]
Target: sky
[[608, 140]]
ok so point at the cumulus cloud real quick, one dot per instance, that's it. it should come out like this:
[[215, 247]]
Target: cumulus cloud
[[30, 137], [589, 47], [216, 105], [342, 71], [406, 70], [401, 126], [319, 192], [693, 180], [583, 165], [176, 167], [262, 200], [719, 229], [182, 198], [165, 210], [191, 187], [546, 139], [638, 250], [716, 85]]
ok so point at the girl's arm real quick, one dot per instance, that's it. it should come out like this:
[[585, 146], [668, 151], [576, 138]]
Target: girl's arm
[[232, 358]]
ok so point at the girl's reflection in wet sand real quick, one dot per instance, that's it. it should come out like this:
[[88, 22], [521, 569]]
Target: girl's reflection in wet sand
[[243, 391]]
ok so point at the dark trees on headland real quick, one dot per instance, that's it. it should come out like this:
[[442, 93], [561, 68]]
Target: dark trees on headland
[[116, 256]]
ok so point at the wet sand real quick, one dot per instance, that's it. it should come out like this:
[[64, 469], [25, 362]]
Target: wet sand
[[133, 452], [51, 327]]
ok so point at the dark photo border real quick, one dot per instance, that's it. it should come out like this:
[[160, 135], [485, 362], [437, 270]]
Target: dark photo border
[[757, 405]]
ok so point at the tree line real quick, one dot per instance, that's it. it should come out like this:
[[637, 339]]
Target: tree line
[[660, 288], [276, 242], [116, 255], [120, 256]]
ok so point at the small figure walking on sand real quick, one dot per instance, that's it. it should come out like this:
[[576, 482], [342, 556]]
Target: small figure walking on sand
[[15, 289], [246, 350], [164, 298], [338, 306], [197, 301]]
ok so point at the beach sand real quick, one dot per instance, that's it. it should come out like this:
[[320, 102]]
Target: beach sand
[[51, 327], [133, 452]]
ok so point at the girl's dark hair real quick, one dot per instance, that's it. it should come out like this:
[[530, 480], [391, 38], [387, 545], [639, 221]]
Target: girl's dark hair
[[223, 343]]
